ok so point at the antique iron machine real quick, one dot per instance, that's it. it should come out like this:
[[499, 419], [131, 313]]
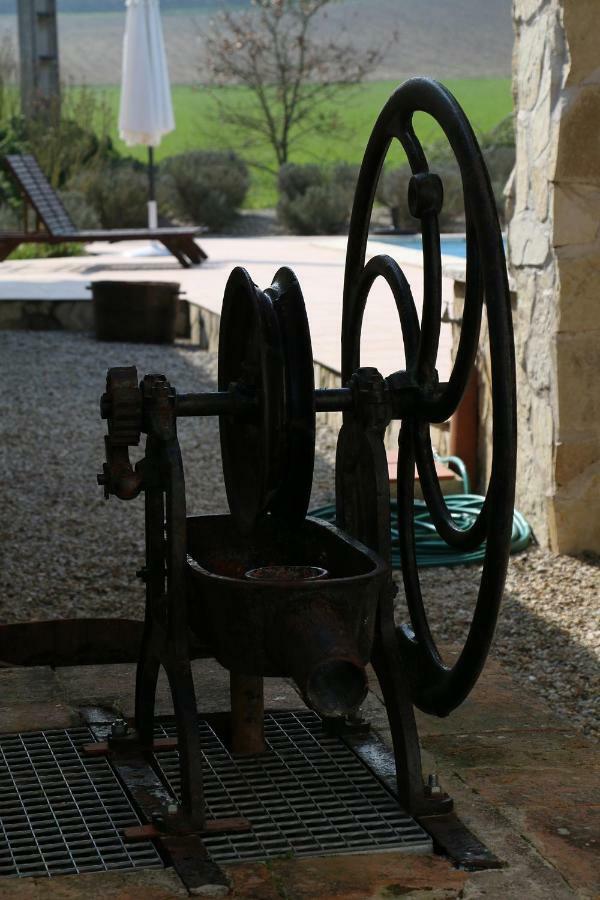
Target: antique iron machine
[[270, 591]]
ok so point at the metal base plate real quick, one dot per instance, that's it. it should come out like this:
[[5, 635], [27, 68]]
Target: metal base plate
[[308, 794]]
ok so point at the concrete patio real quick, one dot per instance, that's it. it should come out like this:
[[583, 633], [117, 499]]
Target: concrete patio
[[36, 292]]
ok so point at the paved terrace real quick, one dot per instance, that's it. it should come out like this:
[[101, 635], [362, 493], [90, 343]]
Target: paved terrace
[[522, 780], [37, 285]]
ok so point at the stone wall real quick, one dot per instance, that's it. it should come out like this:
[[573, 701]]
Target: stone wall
[[554, 252]]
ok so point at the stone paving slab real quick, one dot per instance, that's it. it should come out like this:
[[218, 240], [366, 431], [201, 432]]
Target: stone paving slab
[[318, 262]]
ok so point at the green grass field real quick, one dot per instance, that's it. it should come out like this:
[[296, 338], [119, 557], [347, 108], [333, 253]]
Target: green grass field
[[485, 101]]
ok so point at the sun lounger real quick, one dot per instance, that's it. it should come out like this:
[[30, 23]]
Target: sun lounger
[[54, 225]]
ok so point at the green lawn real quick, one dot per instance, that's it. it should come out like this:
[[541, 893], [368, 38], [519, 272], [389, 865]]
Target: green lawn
[[486, 102]]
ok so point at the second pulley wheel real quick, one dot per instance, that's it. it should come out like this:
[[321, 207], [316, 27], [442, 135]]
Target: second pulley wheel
[[265, 354]]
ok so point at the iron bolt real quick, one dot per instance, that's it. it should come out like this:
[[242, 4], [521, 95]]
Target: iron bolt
[[425, 194], [119, 728], [433, 784]]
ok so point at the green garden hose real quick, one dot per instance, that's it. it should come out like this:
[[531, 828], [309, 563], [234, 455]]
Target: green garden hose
[[464, 509]]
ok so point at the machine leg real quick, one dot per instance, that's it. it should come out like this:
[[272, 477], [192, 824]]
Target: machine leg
[[188, 740], [247, 714], [388, 665]]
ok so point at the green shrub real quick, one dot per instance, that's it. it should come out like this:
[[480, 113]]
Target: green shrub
[[203, 187], [498, 146], [81, 212], [47, 251], [316, 199], [294, 180], [9, 217], [452, 213], [117, 193], [392, 192]]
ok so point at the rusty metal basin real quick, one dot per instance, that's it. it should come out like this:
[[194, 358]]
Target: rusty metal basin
[[317, 630]]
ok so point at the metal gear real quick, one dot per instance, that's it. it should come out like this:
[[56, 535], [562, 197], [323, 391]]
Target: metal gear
[[121, 406]]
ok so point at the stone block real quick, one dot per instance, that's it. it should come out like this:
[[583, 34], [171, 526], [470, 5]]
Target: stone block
[[579, 142], [541, 189], [113, 688], [579, 279], [574, 514], [35, 684], [74, 315], [576, 214], [11, 315], [26, 716], [521, 176], [557, 808], [253, 880], [542, 131], [581, 22], [524, 10], [523, 749], [577, 367], [528, 241], [368, 876], [530, 59], [572, 458], [151, 884]]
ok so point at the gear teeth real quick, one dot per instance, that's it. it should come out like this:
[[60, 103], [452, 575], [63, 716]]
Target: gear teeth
[[123, 406]]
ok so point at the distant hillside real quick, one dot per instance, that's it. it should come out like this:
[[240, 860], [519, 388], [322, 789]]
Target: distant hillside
[[95, 6], [444, 38]]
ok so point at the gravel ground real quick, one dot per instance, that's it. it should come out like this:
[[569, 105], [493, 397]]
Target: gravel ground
[[66, 552]]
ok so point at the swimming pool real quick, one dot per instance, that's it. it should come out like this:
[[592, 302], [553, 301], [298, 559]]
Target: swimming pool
[[450, 244]]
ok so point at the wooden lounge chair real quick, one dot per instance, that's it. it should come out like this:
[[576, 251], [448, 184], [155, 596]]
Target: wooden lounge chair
[[54, 225]]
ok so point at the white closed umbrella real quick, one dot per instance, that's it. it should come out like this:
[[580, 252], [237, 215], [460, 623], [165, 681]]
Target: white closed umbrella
[[146, 110]]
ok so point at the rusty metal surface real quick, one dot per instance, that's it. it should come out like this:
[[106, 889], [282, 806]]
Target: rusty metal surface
[[323, 631], [247, 713], [77, 642], [70, 642]]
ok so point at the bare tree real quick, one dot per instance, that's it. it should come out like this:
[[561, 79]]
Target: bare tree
[[274, 50]]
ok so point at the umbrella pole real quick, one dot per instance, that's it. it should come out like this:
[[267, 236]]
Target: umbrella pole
[[152, 208]]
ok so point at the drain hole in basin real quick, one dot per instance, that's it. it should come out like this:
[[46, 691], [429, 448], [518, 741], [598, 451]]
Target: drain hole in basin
[[337, 687]]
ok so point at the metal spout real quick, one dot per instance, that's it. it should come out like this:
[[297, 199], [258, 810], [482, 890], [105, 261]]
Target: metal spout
[[322, 657]]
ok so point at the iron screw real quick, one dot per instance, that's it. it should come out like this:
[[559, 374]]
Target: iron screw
[[433, 784], [119, 728]]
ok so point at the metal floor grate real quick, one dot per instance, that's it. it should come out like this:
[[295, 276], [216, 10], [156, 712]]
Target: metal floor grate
[[308, 795], [60, 813]]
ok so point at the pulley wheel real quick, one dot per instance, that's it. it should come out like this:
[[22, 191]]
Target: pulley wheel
[[265, 354], [293, 494], [437, 687]]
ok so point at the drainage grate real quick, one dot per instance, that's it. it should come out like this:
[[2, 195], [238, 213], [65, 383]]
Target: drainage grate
[[60, 813], [308, 795]]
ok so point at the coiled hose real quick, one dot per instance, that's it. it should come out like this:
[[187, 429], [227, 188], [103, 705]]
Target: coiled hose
[[464, 509]]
